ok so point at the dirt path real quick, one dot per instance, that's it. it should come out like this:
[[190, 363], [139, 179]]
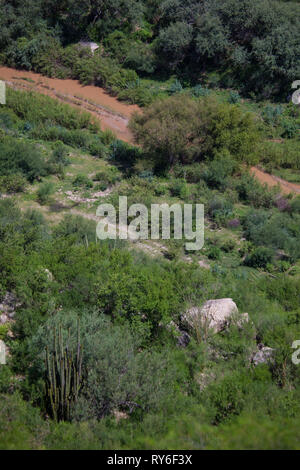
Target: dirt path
[[272, 180], [111, 113]]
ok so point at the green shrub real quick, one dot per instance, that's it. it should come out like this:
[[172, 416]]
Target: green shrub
[[228, 246], [214, 253], [260, 257], [44, 192], [182, 130], [124, 153], [295, 205], [175, 87], [271, 114], [12, 183], [97, 148], [191, 173], [79, 228], [21, 158], [8, 119], [219, 171], [3, 331], [290, 128], [252, 431], [254, 193], [160, 190], [198, 91], [53, 60], [280, 155], [228, 397], [178, 188], [140, 57], [40, 109], [278, 231], [82, 181], [21, 426], [136, 95], [108, 176], [220, 210], [234, 97], [60, 154], [118, 374]]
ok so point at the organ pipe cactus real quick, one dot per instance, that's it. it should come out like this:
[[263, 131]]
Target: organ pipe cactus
[[63, 376]]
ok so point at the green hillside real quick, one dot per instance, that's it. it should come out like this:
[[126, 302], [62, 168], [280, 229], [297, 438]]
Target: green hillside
[[101, 351]]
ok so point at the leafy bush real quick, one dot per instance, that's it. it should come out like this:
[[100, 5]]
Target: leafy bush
[[183, 130], [220, 210], [178, 188], [60, 154], [20, 424], [290, 128], [124, 153], [214, 253], [260, 257], [12, 183], [280, 155], [271, 114], [275, 230], [219, 171], [254, 193], [44, 192], [198, 91], [234, 97], [79, 228], [17, 157], [295, 205], [108, 176], [118, 376], [82, 181], [141, 57], [229, 396], [228, 246], [175, 87], [39, 109], [174, 41]]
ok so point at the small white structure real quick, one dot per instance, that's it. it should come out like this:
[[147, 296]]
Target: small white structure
[[2, 353], [93, 46]]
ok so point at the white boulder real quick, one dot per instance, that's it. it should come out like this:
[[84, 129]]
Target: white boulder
[[214, 315]]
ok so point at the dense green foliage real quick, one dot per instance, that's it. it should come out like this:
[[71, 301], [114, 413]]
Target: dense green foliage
[[30, 118], [253, 45], [137, 376], [139, 388], [131, 364], [182, 130]]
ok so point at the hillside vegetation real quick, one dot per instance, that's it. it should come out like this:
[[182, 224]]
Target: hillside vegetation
[[212, 78], [252, 46]]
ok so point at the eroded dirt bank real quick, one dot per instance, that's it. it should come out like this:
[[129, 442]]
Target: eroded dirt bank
[[112, 114], [272, 180]]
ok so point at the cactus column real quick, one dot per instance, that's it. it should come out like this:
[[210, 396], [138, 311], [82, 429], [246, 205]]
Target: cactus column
[[63, 376]]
